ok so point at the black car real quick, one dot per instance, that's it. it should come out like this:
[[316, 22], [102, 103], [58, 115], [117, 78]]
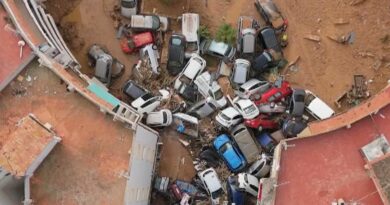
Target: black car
[[133, 90], [269, 39], [297, 104], [263, 62], [176, 54]]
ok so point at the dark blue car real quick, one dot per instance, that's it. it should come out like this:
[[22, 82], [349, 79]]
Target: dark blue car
[[266, 142], [230, 153], [234, 194]]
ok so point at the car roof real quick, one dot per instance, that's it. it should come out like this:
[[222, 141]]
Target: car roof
[[240, 73], [192, 68], [320, 108], [230, 112], [218, 47], [156, 117], [143, 38], [133, 90], [269, 38], [140, 101], [244, 103], [190, 26], [233, 158], [249, 40], [211, 179]]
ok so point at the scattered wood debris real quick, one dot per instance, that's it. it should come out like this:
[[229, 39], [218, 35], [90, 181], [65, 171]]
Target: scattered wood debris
[[356, 2], [343, 39], [340, 21], [312, 37]]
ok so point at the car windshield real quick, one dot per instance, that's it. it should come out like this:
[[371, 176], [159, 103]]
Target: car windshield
[[309, 99], [250, 109], [131, 44], [176, 41], [156, 22], [225, 117], [128, 4], [185, 79], [226, 147], [165, 117], [146, 96], [218, 94], [217, 193]]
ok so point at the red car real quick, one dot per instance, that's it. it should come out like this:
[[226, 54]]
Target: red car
[[261, 122], [275, 94], [135, 42]]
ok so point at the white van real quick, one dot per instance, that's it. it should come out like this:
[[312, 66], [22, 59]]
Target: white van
[[150, 51], [190, 27], [316, 107], [208, 87]]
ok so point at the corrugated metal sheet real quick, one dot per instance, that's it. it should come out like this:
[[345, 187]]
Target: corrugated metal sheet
[[141, 166]]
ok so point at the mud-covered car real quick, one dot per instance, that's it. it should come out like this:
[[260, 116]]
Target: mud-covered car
[[271, 14]]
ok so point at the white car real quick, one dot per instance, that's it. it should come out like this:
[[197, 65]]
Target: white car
[[210, 88], [212, 184], [160, 118], [253, 86], [248, 183], [316, 107], [246, 108], [228, 118], [191, 70], [240, 72], [150, 52], [146, 103], [128, 8], [261, 167]]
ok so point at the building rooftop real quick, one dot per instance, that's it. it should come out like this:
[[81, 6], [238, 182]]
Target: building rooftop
[[10, 62], [24, 146], [319, 170]]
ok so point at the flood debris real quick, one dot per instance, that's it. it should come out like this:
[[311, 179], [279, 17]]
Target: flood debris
[[356, 2], [357, 93], [340, 21], [348, 38], [312, 37]]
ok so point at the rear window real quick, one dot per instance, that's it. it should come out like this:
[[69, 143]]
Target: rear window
[[300, 98], [217, 193], [165, 117], [128, 4], [176, 41], [225, 117], [218, 94], [146, 96]]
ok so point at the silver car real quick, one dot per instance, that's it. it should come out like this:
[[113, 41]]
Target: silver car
[[240, 73], [261, 167], [246, 35], [253, 86], [129, 8]]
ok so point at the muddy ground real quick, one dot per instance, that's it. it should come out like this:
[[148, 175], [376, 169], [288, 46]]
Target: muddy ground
[[325, 67], [86, 167]]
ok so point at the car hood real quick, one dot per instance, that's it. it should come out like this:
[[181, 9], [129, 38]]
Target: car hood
[[232, 158]]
